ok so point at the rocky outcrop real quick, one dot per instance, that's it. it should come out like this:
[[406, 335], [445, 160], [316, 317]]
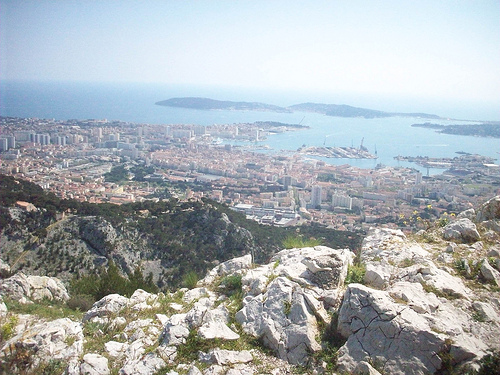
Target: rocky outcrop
[[462, 230], [422, 308], [489, 210], [419, 316], [286, 299], [27, 289], [37, 342]]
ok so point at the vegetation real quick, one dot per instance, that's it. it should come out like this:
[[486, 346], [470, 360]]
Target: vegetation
[[185, 236], [297, 241], [108, 281]]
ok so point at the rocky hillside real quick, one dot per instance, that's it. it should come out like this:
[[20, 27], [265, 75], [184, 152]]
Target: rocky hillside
[[165, 239], [420, 304]]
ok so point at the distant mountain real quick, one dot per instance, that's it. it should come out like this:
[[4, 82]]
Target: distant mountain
[[327, 109], [207, 104]]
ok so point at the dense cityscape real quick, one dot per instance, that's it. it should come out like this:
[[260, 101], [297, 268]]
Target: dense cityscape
[[120, 162]]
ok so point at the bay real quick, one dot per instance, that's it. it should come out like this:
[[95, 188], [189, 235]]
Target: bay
[[135, 103]]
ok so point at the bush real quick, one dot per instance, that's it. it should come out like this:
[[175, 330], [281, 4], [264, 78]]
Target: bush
[[80, 302], [355, 274], [190, 279], [292, 242]]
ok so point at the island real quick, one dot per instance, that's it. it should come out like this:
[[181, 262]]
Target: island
[[486, 129], [210, 104], [335, 110]]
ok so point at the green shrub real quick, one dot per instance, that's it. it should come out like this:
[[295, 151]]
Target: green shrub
[[80, 302], [297, 241], [7, 329], [190, 279], [355, 274]]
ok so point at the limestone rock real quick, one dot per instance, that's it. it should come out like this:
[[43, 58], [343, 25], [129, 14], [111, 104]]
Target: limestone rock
[[232, 266], [364, 368], [467, 214], [396, 337], [283, 319], [217, 330], [39, 342], [108, 305], [146, 365], [489, 273], [226, 357], [34, 288], [462, 230], [94, 364], [489, 210], [115, 349]]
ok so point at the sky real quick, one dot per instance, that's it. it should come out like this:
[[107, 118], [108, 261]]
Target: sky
[[426, 48]]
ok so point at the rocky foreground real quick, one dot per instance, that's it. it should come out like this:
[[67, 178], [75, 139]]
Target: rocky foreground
[[421, 304]]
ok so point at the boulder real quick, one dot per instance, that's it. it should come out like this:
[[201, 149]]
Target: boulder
[[489, 273], [283, 319], [106, 306], [232, 266], [33, 288], [146, 365], [398, 339], [489, 210], [40, 342], [94, 364], [462, 230], [217, 330], [467, 214], [226, 357]]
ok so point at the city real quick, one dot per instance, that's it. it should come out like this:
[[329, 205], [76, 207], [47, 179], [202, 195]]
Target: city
[[76, 158]]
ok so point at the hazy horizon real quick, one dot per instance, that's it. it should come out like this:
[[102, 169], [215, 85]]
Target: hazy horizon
[[355, 53]]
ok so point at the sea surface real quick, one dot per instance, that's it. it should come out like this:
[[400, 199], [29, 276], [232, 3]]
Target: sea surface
[[389, 137]]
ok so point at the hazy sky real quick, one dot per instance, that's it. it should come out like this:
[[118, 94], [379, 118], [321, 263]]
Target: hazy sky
[[431, 49]]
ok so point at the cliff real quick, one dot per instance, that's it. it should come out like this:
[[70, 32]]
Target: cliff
[[419, 304]]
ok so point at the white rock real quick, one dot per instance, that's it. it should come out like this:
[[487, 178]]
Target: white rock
[[364, 368], [232, 266], [489, 273], [60, 339], [228, 357], [115, 348], [378, 275], [217, 330], [489, 210], [283, 319], [174, 334], [108, 305], [146, 365], [462, 230], [486, 312], [196, 294], [415, 296], [378, 328], [36, 288], [94, 364]]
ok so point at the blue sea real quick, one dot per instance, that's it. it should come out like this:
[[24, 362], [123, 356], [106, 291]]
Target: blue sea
[[135, 103]]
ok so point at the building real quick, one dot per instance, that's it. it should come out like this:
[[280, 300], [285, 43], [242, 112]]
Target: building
[[316, 196], [342, 201]]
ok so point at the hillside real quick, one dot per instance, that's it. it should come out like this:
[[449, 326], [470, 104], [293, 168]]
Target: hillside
[[166, 239], [419, 304]]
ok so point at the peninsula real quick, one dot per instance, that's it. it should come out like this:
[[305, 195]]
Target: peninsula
[[486, 129]]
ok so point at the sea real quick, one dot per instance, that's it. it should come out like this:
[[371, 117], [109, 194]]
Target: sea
[[388, 137]]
